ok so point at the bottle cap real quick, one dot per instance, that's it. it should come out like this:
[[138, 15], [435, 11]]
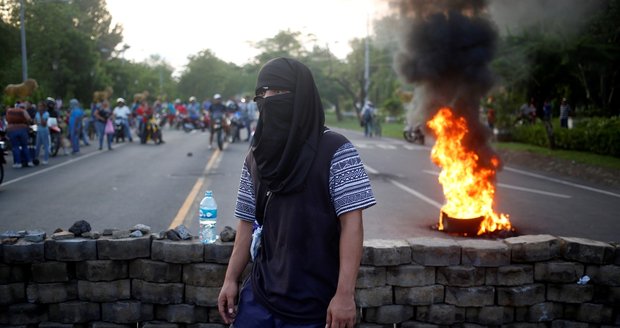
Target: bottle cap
[[208, 193]]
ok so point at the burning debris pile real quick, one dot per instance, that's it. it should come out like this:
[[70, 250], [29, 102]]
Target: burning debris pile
[[445, 54]]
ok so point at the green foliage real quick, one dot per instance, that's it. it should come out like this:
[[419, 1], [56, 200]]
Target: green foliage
[[596, 135]]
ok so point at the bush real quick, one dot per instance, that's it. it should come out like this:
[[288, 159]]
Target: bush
[[596, 135]]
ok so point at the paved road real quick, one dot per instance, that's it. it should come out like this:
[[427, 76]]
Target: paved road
[[161, 186]]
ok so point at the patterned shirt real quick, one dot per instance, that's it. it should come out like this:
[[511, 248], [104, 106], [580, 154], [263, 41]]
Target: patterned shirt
[[349, 185]]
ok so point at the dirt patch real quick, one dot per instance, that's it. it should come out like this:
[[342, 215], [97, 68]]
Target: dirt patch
[[541, 163]]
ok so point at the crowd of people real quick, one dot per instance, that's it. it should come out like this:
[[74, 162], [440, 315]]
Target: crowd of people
[[32, 128]]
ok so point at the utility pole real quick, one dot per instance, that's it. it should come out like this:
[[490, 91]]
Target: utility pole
[[22, 25], [366, 63]]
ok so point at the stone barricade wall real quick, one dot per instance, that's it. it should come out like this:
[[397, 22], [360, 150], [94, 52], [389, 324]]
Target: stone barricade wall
[[527, 281]]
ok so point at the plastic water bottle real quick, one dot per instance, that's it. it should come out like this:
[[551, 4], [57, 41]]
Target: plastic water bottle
[[207, 218]]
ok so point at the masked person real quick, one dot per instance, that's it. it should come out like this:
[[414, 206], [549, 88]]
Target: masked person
[[303, 187]]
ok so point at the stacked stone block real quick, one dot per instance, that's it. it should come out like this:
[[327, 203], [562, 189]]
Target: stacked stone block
[[527, 281]]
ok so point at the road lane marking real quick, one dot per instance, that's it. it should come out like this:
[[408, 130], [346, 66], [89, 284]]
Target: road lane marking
[[561, 181], [187, 204], [406, 189], [507, 186], [55, 166]]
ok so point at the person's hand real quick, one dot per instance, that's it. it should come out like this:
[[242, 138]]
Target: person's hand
[[341, 312], [226, 301]]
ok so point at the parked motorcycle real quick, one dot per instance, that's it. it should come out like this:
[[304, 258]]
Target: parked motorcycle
[[414, 134]]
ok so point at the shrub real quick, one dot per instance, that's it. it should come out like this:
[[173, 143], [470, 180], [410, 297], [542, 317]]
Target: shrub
[[596, 135]]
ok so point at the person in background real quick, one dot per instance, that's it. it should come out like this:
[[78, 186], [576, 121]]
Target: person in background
[[122, 112], [304, 186], [43, 133], [216, 110], [18, 121], [368, 114], [565, 112], [75, 125], [102, 115]]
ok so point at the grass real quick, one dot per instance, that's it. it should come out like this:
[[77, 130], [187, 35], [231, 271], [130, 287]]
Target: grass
[[395, 130]]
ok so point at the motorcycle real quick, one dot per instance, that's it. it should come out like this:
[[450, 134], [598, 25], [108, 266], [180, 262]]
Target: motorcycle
[[119, 130], [152, 131], [414, 134], [218, 129]]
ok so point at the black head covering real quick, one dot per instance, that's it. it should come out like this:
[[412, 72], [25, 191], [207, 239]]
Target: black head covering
[[289, 127]]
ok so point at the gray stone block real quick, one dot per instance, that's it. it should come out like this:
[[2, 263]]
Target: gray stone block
[[13, 273], [608, 275], [544, 312], [71, 250], [379, 252], [569, 324], [26, 314], [487, 315], [484, 253], [101, 270], [372, 297], [74, 312], [441, 314], [371, 276], [126, 312], [102, 324], [104, 291], [533, 248], [207, 325], [203, 296], [23, 252], [470, 296], [156, 293], [389, 314], [558, 272], [214, 316], [594, 313], [410, 275], [49, 272], [587, 251], [218, 252], [460, 276], [124, 249], [525, 295], [52, 292], [409, 324], [155, 271], [570, 293], [204, 274], [49, 324], [181, 313], [510, 275], [425, 295], [12, 293], [431, 251], [160, 324], [184, 251]]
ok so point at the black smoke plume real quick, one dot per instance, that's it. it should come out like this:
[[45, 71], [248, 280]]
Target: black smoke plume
[[446, 50]]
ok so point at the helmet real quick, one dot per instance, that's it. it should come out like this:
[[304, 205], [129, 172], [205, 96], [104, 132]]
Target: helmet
[[192, 98], [217, 96], [177, 101], [49, 101], [120, 100]]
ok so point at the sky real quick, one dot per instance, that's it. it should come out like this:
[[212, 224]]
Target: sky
[[176, 29]]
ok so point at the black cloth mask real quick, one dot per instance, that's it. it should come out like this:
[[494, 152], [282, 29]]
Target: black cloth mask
[[289, 127]]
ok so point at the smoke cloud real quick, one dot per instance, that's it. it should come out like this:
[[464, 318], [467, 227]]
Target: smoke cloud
[[446, 52]]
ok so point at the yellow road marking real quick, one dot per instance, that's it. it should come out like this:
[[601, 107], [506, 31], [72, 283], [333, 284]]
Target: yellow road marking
[[187, 204]]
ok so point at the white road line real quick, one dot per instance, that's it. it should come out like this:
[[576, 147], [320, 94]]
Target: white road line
[[561, 181], [386, 146], [47, 169], [405, 188], [507, 186], [535, 191]]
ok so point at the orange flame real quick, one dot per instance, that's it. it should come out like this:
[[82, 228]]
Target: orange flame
[[469, 189]]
